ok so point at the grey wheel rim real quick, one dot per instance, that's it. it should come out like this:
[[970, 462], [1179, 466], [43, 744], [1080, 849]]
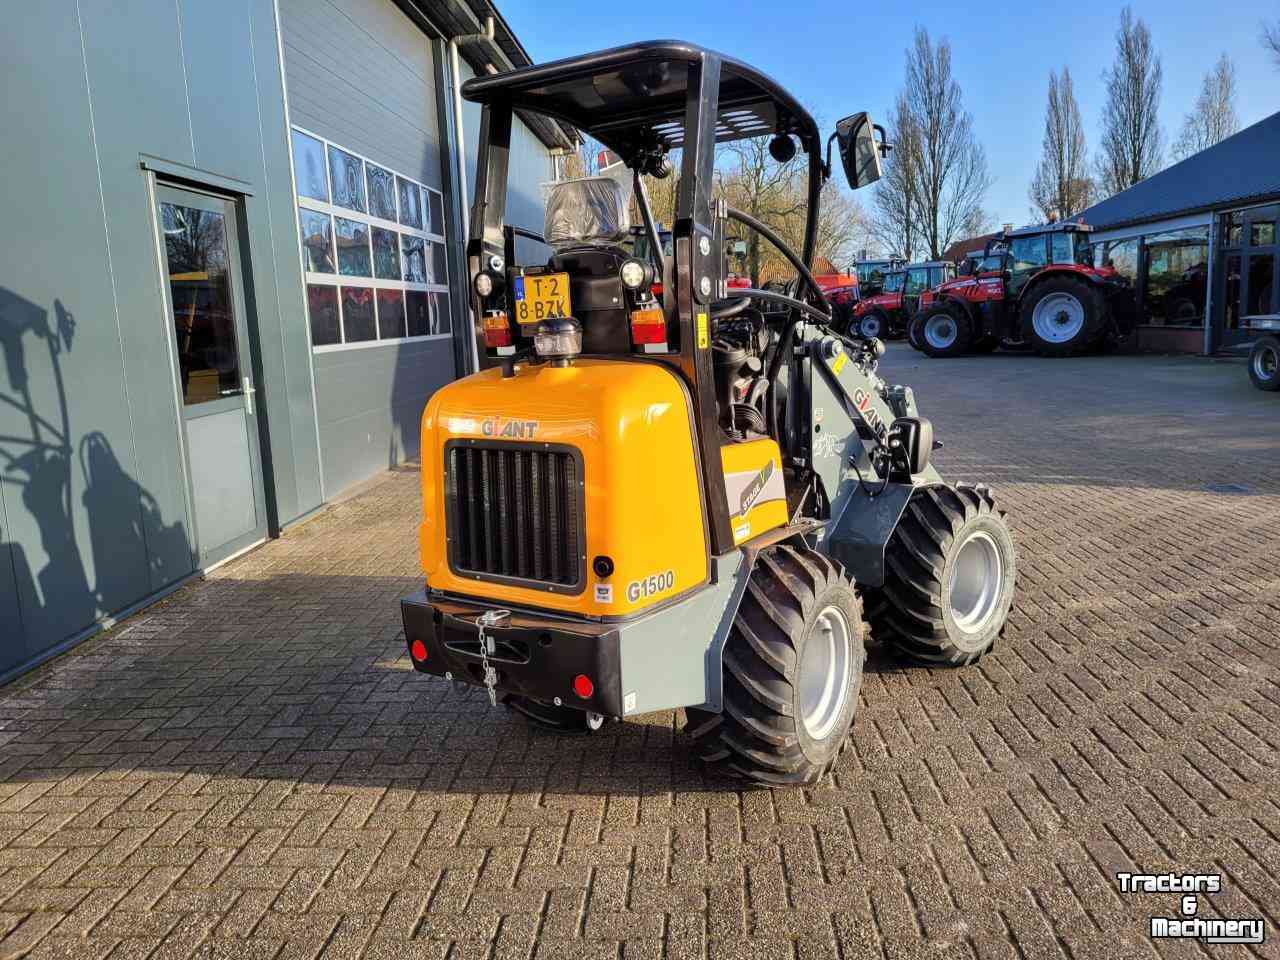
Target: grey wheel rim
[[1058, 318], [977, 575], [1266, 364], [825, 667], [940, 331], [870, 327]]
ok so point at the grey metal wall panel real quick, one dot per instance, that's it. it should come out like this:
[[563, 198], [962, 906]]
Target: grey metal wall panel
[[370, 404], [362, 75], [95, 513], [75, 525]]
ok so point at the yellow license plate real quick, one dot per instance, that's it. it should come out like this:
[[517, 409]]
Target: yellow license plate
[[542, 297]]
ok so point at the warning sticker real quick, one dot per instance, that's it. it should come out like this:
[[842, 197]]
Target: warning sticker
[[704, 338], [838, 363], [604, 593]]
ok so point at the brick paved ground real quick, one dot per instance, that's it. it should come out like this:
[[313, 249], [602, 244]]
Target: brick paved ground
[[251, 769]]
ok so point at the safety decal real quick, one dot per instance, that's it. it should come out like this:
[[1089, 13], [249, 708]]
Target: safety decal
[[756, 487], [838, 363], [704, 338], [604, 593]]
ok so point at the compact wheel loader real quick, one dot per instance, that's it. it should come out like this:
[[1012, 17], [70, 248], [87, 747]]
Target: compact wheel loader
[[696, 499]]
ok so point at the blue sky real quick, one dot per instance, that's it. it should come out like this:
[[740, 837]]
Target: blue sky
[[842, 57]]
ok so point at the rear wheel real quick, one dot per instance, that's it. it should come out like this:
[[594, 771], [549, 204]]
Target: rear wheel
[[1062, 316], [1264, 363], [792, 671], [943, 331], [950, 573], [872, 324]]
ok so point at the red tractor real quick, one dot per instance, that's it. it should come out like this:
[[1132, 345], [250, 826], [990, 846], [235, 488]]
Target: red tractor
[[888, 314], [1034, 287]]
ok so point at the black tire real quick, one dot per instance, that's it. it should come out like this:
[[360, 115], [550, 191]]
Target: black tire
[[953, 335], [912, 339], [1264, 363], [762, 734], [914, 612], [858, 325], [1076, 332]]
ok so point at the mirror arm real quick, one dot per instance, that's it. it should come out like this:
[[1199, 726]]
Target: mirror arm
[[884, 144], [826, 165]]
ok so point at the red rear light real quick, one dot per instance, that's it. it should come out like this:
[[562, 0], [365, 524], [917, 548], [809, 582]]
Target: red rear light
[[583, 686], [418, 650], [497, 331], [648, 325]]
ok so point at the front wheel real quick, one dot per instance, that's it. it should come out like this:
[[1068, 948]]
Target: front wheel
[[943, 331], [950, 573], [1063, 316], [1264, 363], [792, 671], [872, 325]]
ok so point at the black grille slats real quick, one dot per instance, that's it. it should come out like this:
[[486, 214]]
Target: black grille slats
[[514, 512]]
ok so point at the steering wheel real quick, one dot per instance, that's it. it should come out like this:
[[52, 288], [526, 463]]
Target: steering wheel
[[723, 309]]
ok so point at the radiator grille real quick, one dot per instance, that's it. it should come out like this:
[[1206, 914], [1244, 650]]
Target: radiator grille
[[514, 512]]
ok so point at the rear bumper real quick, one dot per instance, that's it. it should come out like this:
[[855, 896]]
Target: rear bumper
[[536, 657]]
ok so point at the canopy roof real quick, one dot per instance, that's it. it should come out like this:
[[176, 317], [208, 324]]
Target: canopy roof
[[618, 95]]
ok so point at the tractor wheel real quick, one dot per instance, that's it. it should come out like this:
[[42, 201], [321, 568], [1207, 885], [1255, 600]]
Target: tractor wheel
[[1062, 316], [872, 324], [1264, 363], [792, 671], [950, 570], [913, 337], [943, 331]]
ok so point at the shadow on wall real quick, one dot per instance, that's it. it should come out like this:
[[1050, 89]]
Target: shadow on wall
[[44, 460]]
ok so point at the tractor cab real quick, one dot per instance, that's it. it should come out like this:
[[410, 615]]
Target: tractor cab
[[663, 489]]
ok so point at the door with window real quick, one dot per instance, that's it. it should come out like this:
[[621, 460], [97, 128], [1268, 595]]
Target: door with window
[[216, 393], [1247, 272]]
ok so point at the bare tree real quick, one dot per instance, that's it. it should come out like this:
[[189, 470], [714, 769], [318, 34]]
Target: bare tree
[[1213, 118], [1061, 187], [895, 201], [1132, 141], [755, 183], [1271, 39], [950, 165]]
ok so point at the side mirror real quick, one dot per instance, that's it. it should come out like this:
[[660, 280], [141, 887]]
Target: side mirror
[[859, 151]]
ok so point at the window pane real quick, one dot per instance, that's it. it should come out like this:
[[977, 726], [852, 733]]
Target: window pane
[[200, 291], [322, 307], [435, 206], [440, 316], [1231, 302], [1232, 228], [410, 203], [1262, 234], [357, 315], [1060, 249], [317, 241], [439, 266], [386, 255], [308, 167], [1260, 289], [1177, 277], [413, 258], [390, 314], [353, 247], [347, 173], [1028, 252], [418, 306], [382, 192]]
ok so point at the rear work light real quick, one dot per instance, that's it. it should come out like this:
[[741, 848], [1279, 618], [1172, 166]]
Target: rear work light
[[649, 327], [497, 331], [583, 686]]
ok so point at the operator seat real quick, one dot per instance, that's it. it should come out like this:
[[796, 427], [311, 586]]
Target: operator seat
[[586, 222]]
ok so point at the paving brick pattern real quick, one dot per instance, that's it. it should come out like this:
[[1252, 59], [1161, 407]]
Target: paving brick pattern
[[251, 769]]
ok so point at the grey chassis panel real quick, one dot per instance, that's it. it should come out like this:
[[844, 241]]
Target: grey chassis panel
[[863, 514], [672, 658]]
